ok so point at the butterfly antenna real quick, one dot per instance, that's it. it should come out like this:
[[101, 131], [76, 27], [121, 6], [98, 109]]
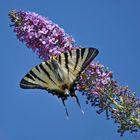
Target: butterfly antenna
[[63, 101], [76, 98]]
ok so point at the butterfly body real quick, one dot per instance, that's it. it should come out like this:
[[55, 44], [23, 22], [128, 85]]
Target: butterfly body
[[58, 75]]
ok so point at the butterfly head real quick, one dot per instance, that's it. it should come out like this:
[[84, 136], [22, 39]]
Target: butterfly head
[[65, 88]]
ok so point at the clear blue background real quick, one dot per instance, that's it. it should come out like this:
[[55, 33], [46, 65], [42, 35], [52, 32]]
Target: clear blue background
[[112, 26]]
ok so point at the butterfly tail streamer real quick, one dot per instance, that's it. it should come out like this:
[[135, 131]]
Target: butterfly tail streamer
[[77, 100], [63, 101]]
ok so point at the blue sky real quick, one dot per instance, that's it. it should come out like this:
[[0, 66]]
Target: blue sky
[[112, 26]]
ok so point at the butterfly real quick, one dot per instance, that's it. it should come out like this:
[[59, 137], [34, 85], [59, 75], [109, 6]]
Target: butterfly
[[59, 74]]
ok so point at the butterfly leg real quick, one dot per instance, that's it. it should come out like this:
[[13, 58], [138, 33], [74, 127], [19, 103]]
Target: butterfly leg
[[63, 101]]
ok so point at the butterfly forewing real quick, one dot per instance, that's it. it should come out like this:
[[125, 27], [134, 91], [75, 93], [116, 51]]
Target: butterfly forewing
[[42, 76], [75, 61]]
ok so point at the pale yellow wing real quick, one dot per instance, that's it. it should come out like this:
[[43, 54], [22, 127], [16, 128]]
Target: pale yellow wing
[[51, 75], [75, 61], [47, 75]]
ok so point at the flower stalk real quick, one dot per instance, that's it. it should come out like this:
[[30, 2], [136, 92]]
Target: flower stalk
[[96, 82], [132, 117]]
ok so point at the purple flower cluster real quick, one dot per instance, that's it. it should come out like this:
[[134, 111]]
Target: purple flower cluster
[[95, 82], [40, 34], [94, 79]]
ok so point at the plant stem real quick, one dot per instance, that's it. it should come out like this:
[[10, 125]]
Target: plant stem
[[132, 117]]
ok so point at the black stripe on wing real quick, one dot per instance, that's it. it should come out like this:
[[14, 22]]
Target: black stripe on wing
[[28, 85], [82, 52], [37, 68], [70, 53], [77, 57], [36, 77], [46, 72], [90, 55], [49, 66], [59, 59], [31, 79], [66, 60]]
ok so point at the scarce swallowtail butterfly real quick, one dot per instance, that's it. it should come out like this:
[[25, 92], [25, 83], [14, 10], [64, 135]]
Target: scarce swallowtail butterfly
[[59, 74]]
